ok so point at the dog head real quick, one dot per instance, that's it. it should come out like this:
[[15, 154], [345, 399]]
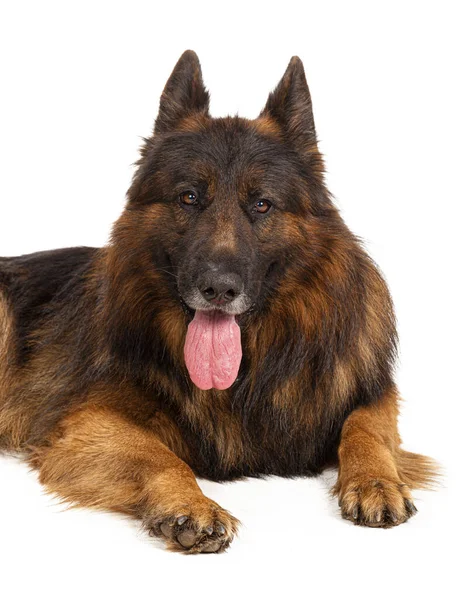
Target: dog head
[[225, 208], [225, 196]]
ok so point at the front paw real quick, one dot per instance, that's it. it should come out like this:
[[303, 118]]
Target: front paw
[[197, 527], [376, 502]]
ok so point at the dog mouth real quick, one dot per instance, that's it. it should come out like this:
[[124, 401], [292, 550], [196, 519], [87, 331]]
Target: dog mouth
[[213, 349], [190, 312]]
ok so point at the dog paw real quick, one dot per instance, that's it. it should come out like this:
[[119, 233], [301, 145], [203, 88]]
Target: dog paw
[[376, 502], [203, 527]]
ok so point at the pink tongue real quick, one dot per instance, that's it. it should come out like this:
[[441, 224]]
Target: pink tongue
[[212, 350]]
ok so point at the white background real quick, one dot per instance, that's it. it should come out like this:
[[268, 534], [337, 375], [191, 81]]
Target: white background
[[80, 84]]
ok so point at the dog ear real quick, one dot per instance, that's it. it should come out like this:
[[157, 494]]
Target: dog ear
[[184, 94], [290, 105]]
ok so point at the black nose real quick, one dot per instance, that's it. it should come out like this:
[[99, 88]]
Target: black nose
[[220, 288]]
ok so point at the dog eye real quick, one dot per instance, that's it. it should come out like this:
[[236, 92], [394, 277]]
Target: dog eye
[[262, 206], [189, 198]]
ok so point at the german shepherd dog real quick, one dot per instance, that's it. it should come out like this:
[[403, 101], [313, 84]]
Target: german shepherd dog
[[233, 327]]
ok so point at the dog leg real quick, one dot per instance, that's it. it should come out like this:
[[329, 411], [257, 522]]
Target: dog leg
[[99, 459], [372, 486]]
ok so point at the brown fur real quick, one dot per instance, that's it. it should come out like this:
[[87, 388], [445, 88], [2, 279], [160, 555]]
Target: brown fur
[[100, 460], [374, 474], [94, 389]]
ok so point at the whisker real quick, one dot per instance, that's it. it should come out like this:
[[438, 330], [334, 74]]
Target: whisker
[[166, 271]]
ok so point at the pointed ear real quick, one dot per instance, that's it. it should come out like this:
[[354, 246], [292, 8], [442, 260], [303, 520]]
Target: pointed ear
[[184, 94], [290, 105]]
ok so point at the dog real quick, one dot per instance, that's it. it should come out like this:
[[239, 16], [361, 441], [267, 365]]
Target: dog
[[232, 327]]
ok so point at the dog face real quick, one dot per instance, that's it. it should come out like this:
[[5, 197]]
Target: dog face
[[230, 248], [227, 198]]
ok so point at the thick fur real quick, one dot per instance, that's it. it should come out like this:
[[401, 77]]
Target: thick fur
[[93, 386]]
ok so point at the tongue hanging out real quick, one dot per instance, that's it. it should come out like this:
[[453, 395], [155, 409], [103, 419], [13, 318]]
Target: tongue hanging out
[[212, 350]]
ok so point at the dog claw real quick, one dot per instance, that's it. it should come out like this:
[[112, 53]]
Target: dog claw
[[182, 520], [393, 517]]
